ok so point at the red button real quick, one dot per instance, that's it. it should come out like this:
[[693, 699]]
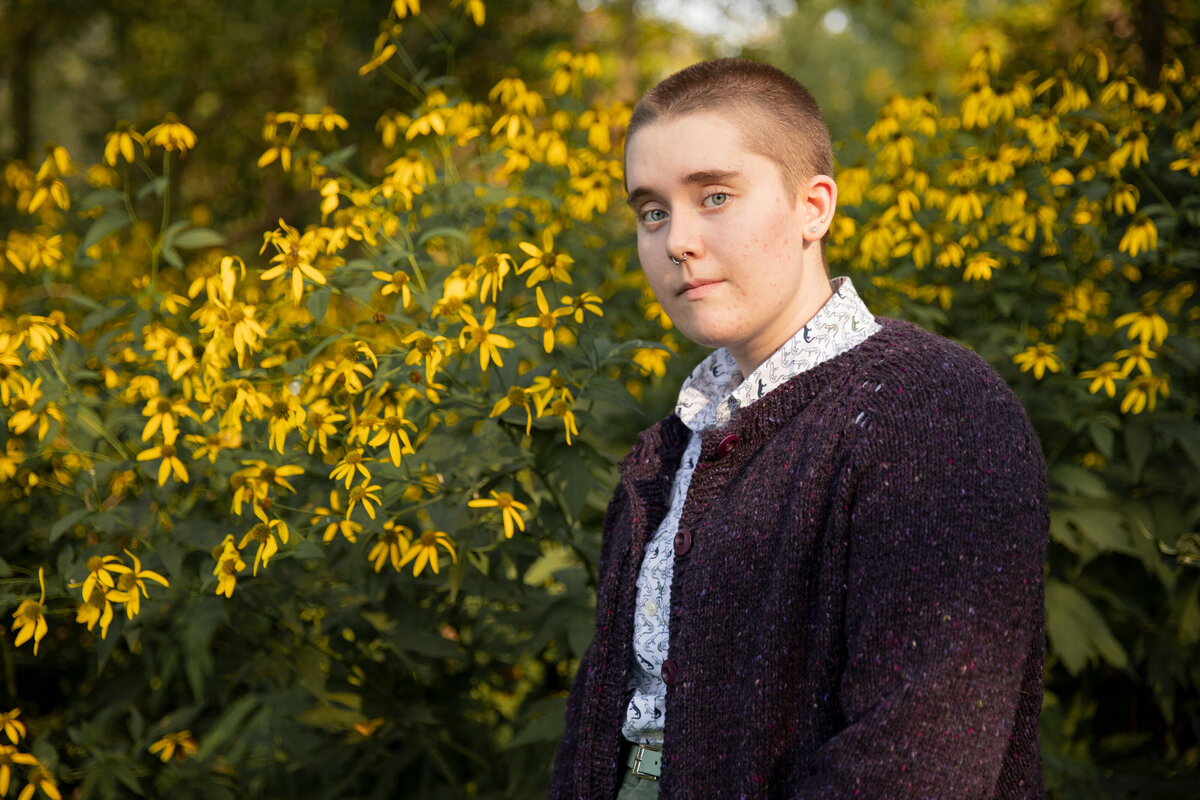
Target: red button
[[727, 444], [668, 672], [683, 542]]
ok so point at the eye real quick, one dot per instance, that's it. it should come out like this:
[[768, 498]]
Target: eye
[[717, 199], [652, 215]]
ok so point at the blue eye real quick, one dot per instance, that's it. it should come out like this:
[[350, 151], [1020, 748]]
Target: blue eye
[[717, 198], [653, 215]]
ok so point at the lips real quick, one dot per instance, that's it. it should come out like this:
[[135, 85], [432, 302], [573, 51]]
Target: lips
[[695, 289]]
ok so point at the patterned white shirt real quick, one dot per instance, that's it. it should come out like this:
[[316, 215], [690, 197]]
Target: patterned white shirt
[[708, 398]]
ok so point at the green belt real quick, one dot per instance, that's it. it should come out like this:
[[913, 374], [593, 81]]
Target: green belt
[[645, 761]]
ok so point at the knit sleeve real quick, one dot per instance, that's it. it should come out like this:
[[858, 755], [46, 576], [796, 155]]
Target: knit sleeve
[[944, 621]]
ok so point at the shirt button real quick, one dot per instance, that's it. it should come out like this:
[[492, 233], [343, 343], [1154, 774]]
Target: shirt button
[[683, 542], [727, 444], [668, 672]]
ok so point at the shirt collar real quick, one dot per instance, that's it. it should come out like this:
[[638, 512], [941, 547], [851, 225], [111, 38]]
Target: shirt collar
[[716, 388]]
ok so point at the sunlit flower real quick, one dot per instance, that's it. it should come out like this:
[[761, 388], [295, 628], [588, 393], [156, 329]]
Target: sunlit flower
[[269, 536], [510, 510], [1142, 394], [391, 432], [479, 336], [396, 283], [1140, 237], [516, 397], [229, 564], [336, 520], [545, 261], [352, 463], [130, 581], [183, 741], [171, 134], [1103, 377], [490, 270], [367, 494], [423, 347], [546, 320], [170, 466], [424, 551], [1039, 357], [1137, 357], [1145, 325], [393, 543], [585, 301], [29, 620], [12, 727], [165, 412], [123, 142]]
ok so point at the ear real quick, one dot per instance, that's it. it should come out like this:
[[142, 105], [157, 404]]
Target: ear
[[816, 203]]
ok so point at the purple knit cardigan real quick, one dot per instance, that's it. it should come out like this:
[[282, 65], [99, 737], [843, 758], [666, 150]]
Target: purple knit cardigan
[[857, 603]]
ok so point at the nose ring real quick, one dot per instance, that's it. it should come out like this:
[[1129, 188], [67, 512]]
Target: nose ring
[[677, 261]]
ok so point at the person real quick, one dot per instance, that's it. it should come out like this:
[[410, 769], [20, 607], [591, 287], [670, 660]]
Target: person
[[822, 575]]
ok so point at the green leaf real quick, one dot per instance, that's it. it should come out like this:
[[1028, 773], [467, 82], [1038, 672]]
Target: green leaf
[[318, 303], [105, 226], [1102, 436], [1138, 441], [445, 232], [1077, 480], [547, 727], [338, 157], [1077, 630], [61, 526], [308, 550], [229, 725], [195, 238]]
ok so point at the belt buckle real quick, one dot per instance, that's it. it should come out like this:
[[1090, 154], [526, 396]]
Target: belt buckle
[[638, 754]]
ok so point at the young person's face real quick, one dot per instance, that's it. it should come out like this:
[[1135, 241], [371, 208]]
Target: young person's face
[[753, 274]]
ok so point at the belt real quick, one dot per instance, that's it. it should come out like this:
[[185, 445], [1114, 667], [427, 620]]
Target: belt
[[645, 761]]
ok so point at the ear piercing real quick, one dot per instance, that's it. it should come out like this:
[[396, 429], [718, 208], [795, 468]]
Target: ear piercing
[[813, 229]]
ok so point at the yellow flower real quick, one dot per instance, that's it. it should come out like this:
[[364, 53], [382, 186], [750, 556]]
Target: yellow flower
[[1142, 394], [545, 261], [510, 510], [490, 270], [351, 463], [424, 551], [336, 522], [562, 408], [546, 320], [367, 494], [423, 347], [99, 575], [475, 335], [29, 619], [181, 740], [515, 398], [130, 581], [1039, 357], [392, 545], [96, 608], [269, 535], [295, 253], [1140, 236], [1144, 325], [165, 412], [392, 432], [172, 134], [9, 758], [121, 143], [13, 727], [229, 564], [320, 422], [171, 465], [267, 476], [652, 360], [1103, 377], [286, 414], [980, 266], [397, 282], [586, 301], [1137, 356]]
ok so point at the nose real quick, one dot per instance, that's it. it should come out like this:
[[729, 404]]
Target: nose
[[684, 236]]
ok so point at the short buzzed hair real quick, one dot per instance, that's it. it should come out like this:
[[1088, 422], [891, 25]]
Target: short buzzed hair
[[776, 115]]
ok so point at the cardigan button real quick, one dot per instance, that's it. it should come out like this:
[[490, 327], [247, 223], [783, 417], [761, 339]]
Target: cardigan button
[[668, 672], [727, 444], [683, 542]]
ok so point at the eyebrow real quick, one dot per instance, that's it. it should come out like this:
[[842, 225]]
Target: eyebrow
[[700, 177]]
